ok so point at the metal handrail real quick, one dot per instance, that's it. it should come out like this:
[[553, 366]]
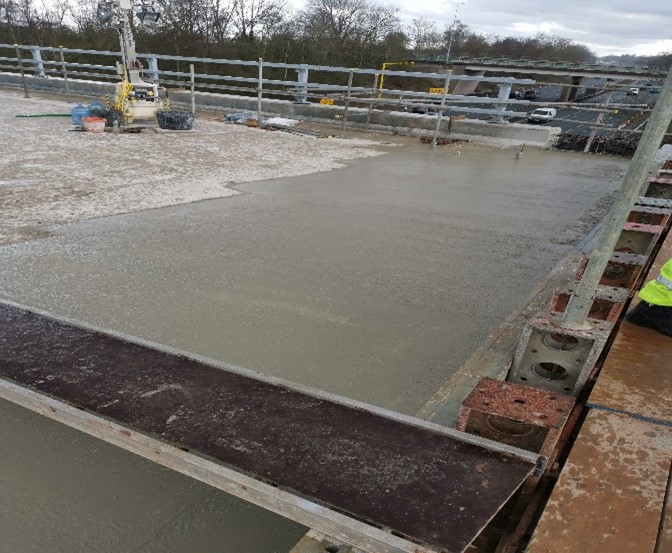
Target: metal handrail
[[301, 89], [266, 64]]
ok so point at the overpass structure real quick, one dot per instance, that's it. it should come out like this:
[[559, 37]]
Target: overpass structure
[[478, 66]]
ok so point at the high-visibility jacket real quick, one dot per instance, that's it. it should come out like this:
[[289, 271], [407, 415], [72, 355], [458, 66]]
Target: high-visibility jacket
[[659, 291]]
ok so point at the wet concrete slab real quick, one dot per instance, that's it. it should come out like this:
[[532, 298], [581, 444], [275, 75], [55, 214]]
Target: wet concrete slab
[[375, 282], [336, 280]]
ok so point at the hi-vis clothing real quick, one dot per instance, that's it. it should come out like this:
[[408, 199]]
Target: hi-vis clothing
[[659, 291]]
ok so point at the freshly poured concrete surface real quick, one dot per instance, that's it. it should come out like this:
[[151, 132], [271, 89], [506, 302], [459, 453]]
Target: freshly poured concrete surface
[[374, 282]]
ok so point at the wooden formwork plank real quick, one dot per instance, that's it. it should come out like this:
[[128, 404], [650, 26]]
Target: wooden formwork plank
[[636, 376], [372, 478], [611, 493]]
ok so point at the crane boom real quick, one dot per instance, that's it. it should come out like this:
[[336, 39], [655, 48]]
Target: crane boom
[[137, 96]]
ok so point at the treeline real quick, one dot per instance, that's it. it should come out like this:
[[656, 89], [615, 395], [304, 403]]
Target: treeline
[[351, 33], [662, 60], [427, 39]]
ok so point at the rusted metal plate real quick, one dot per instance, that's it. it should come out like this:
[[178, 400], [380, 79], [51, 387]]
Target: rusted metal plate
[[607, 305], [636, 375], [520, 403], [419, 482], [611, 492], [514, 414], [649, 215]]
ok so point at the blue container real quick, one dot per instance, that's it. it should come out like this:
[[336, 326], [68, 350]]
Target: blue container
[[96, 107], [80, 111], [77, 113]]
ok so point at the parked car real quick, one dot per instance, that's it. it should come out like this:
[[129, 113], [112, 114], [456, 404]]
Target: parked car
[[542, 115], [632, 91], [428, 110], [530, 94], [516, 94]]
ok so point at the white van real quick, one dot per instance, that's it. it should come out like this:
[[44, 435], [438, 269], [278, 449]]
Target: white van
[[542, 115]]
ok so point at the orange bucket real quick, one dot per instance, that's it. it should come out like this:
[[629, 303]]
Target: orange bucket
[[93, 124]]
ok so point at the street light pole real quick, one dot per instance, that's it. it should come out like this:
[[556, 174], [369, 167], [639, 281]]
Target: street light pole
[[452, 31]]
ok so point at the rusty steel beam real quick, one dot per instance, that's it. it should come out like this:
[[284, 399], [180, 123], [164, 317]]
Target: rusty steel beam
[[521, 416], [515, 414], [378, 480]]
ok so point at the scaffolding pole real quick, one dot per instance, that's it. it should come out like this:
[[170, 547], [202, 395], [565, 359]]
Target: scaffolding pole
[[642, 162]]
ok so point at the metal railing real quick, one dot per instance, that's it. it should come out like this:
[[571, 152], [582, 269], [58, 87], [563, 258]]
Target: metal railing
[[312, 83], [41, 61]]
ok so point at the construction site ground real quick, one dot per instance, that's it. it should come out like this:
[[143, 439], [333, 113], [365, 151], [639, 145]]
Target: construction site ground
[[375, 281]]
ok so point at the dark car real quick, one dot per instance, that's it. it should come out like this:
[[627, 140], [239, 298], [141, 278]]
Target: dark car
[[515, 94], [530, 95]]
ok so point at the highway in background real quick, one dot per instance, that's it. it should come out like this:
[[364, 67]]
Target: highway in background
[[590, 103], [579, 120]]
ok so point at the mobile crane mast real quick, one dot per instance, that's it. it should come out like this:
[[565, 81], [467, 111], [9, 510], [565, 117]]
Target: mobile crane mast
[[137, 95]]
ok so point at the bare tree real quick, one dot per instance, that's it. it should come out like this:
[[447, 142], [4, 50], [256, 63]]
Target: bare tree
[[184, 24], [257, 18], [456, 35], [425, 37], [220, 18], [346, 29]]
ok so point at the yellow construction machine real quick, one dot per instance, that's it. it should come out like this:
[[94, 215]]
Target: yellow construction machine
[[138, 95]]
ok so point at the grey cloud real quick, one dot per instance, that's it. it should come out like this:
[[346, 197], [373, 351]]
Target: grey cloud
[[614, 24]]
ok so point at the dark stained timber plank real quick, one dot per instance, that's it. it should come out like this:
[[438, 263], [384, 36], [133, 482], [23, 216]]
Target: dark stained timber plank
[[426, 486]]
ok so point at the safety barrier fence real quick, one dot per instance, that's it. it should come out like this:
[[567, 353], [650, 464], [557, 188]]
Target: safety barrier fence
[[311, 83]]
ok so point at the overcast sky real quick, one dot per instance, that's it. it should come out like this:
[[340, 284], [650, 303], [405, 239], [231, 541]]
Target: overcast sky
[[642, 27]]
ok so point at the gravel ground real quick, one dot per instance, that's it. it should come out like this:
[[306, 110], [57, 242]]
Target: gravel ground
[[50, 176]]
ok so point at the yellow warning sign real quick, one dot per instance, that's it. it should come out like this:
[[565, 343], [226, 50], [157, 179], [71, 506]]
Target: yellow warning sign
[[436, 90], [327, 101]]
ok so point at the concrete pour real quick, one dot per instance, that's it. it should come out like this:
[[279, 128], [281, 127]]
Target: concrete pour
[[51, 176], [375, 282]]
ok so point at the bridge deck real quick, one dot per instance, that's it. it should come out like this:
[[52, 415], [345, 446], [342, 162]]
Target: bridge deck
[[420, 483]]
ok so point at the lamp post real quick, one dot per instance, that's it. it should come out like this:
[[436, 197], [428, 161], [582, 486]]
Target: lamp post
[[452, 30]]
